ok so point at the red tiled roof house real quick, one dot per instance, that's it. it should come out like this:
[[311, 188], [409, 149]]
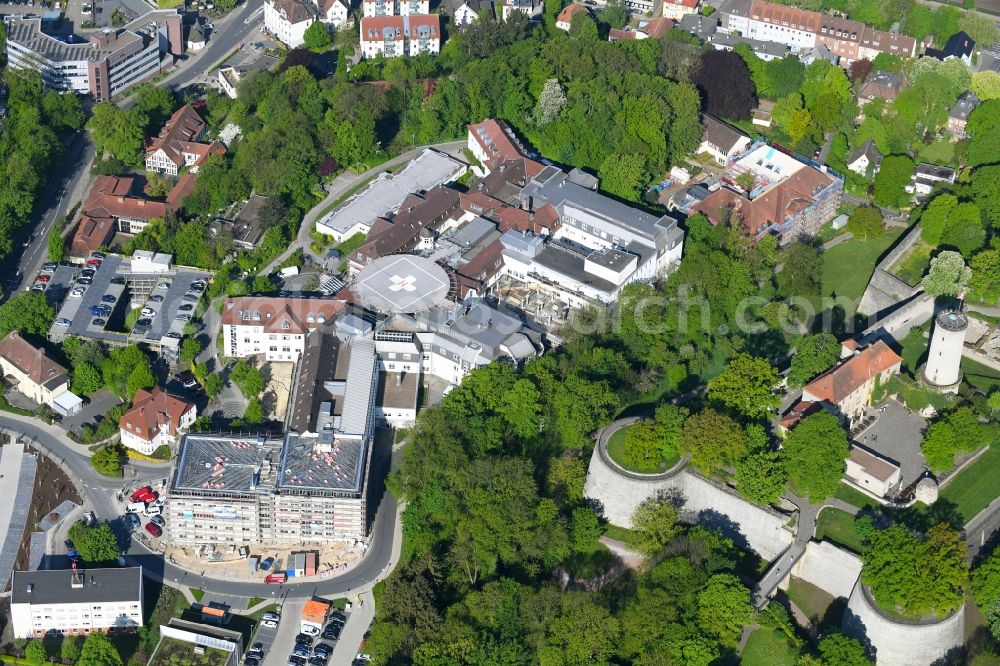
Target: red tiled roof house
[[154, 420]]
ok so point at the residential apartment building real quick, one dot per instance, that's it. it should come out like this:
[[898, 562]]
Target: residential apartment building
[[958, 117], [530, 8], [75, 602], [801, 29], [309, 487], [178, 144], [155, 420], [465, 12], [111, 61], [677, 9], [407, 35], [395, 7], [787, 196], [959, 45], [880, 85], [31, 370], [273, 326], [288, 20], [928, 176]]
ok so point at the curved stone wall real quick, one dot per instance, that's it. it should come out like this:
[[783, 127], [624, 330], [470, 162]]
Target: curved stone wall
[[896, 643], [619, 493]]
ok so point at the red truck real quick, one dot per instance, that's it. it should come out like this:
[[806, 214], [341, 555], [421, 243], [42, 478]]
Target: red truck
[[276, 578]]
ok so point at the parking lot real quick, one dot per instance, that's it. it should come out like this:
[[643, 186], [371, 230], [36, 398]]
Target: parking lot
[[167, 299]]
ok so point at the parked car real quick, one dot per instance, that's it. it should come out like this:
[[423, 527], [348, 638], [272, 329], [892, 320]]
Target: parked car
[[157, 520], [323, 649], [98, 255], [251, 661], [301, 651], [187, 307], [188, 381], [184, 316], [49, 267], [94, 262], [62, 321], [47, 271], [141, 495], [332, 631], [154, 530], [175, 336], [100, 322], [156, 298], [88, 273], [43, 278], [39, 286], [304, 639], [143, 323], [148, 312], [270, 616], [163, 285], [84, 280], [108, 298], [100, 310], [266, 564], [270, 624], [256, 649], [118, 280], [133, 520], [77, 292], [338, 618]]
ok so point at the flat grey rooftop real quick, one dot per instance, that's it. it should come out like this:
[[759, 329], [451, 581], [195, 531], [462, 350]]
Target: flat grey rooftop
[[98, 585], [223, 464], [402, 283], [322, 463], [388, 191]]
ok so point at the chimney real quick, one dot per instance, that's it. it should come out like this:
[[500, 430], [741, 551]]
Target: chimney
[[399, 378], [30, 588]]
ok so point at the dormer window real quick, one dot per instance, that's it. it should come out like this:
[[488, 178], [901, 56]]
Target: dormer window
[[285, 325], [256, 315]]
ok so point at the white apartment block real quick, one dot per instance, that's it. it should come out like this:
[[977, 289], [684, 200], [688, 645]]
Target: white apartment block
[[75, 602], [288, 20], [111, 61], [395, 7], [407, 35], [272, 326]]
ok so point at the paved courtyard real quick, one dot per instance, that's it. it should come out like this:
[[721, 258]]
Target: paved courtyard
[[896, 434]]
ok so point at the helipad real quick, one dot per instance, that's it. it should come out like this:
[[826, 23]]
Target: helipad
[[402, 284]]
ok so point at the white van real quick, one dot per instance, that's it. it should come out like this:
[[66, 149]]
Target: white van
[[135, 507], [289, 272], [154, 510]]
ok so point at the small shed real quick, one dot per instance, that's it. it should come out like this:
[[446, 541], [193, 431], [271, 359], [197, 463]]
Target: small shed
[[253, 563], [840, 221]]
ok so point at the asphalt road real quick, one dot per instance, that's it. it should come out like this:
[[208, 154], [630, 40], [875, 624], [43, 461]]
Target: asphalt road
[[99, 493], [54, 202]]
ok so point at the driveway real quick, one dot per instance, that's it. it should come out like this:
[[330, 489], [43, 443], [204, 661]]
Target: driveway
[[288, 629], [896, 434], [99, 405]]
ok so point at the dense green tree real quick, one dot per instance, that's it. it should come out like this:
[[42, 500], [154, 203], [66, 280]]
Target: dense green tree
[[118, 133], [986, 84], [747, 385], [813, 356], [986, 580], [70, 648], [712, 440], [566, 478], [948, 275], [724, 81], [190, 348], [866, 222], [28, 312], [254, 412], [108, 460], [842, 650], [623, 176], [760, 477], [95, 544], [213, 385], [723, 608], [893, 176], [585, 529], [87, 379], [654, 524], [317, 36], [915, 576], [984, 284], [98, 650], [814, 454], [35, 653]]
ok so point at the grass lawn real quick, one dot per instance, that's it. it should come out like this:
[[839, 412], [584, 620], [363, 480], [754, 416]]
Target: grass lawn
[[131, 318], [811, 600], [914, 345], [975, 486], [911, 267], [616, 449], [837, 526], [591, 564], [617, 533], [979, 376], [253, 601], [941, 151], [197, 593], [848, 267], [769, 647], [853, 496], [172, 651]]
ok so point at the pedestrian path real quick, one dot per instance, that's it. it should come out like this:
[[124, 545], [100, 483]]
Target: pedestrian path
[[17, 481]]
